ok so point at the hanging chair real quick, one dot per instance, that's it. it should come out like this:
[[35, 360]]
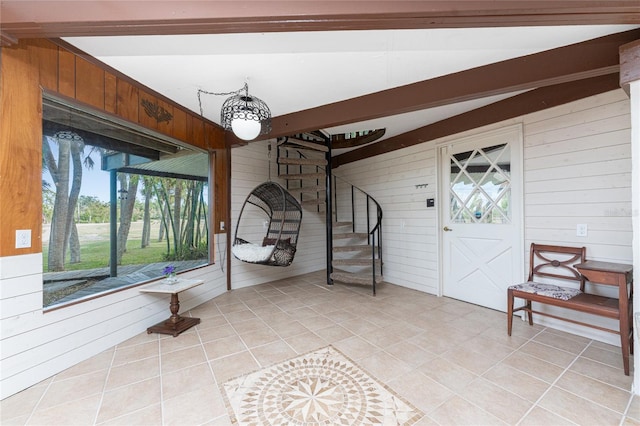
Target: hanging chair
[[282, 222]]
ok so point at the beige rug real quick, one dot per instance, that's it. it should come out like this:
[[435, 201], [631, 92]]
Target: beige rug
[[323, 387]]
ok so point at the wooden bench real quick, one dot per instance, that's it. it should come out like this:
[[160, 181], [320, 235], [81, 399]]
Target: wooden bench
[[548, 263]]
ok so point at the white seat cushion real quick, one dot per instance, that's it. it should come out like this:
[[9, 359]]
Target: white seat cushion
[[549, 290]]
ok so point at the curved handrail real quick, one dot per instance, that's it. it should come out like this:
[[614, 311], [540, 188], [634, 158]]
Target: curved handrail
[[374, 231]]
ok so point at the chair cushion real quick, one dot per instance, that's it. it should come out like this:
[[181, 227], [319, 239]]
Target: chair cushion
[[549, 290]]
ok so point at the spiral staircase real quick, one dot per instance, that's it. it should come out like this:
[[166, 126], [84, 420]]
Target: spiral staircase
[[353, 217]]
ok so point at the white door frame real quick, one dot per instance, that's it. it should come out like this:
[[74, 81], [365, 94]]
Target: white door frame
[[518, 220]]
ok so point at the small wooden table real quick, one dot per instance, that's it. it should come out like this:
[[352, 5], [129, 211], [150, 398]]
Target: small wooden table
[[175, 324], [621, 276]]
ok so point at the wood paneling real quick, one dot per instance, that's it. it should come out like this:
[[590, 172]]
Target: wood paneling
[[127, 101], [197, 133], [47, 54], [213, 137], [36, 63], [179, 124], [110, 93], [67, 73], [165, 126], [20, 149], [144, 118], [89, 84]]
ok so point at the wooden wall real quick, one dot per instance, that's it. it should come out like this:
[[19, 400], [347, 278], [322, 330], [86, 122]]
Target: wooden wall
[[38, 64]]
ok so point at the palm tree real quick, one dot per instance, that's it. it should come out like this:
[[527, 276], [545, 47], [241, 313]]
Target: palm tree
[[63, 233]]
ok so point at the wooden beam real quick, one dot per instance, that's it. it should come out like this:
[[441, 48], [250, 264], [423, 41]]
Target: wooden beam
[[564, 64], [629, 64], [58, 18], [525, 103]]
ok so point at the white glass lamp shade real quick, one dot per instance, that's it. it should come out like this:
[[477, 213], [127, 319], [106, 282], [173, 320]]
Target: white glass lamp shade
[[246, 128]]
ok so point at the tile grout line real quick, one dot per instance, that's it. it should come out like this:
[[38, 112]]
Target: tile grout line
[[104, 386], [551, 386]]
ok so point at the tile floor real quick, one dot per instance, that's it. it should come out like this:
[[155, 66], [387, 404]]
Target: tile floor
[[452, 360]]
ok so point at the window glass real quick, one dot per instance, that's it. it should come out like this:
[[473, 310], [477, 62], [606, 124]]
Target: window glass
[[480, 189], [116, 214]]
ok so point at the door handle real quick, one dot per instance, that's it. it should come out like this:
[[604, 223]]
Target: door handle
[[447, 229]]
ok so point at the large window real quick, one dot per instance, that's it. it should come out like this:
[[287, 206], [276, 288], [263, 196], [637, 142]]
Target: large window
[[120, 205]]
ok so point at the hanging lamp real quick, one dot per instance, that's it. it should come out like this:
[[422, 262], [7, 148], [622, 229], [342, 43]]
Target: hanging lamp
[[245, 115]]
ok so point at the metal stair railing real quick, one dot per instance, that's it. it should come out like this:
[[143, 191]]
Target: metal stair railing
[[361, 200]]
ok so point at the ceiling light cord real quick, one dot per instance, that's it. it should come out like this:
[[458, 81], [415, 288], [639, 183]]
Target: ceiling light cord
[[244, 88]]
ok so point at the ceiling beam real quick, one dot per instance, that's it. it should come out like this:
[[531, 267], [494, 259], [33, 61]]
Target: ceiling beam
[[564, 64], [60, 18], [516, 106]]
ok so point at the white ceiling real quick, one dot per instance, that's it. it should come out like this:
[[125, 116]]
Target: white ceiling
[[297, 71]]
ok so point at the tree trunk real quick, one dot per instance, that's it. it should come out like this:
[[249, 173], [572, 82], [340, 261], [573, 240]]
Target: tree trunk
[[192, 198], [164, 209], [176, 222], [60, 176], [76, 147], [126, 212], [146, 220], [74, 244]]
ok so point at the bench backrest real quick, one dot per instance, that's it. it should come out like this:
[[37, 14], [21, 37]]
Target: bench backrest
[[556, 262]]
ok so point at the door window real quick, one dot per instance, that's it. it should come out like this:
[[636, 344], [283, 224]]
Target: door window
[[480, 188]]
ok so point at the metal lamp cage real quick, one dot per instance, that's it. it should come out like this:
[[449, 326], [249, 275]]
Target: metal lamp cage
[[246, 107]]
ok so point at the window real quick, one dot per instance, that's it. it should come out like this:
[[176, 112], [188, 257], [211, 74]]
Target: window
[[481, 186], [119, 205]]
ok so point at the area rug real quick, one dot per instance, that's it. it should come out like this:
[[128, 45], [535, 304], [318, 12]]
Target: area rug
[[323, 387]]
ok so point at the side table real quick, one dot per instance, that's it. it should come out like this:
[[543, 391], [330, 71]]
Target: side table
[[175, 324], [621, 276]]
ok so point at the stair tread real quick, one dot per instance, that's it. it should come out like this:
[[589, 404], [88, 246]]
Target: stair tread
[[303, 176], [307, 144], [337, 224], [359, 278], [344, 235], [309, 189], [302, 150], [353, 262], [303, 161], [347, 248]]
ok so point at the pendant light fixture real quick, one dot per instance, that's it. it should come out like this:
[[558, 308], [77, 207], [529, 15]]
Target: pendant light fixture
[[245, 115]]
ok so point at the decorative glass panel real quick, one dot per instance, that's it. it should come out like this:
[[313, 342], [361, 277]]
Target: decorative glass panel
[[480, 186]]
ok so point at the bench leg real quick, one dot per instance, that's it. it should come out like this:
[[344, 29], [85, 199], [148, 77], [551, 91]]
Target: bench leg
[[509, 311]]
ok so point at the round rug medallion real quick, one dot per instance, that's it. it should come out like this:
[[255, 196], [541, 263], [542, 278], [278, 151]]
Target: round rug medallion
[[320, 388]]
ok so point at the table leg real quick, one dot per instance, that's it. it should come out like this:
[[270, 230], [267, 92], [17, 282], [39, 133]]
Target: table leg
[[174, 307], [623, 307], [175, 324]]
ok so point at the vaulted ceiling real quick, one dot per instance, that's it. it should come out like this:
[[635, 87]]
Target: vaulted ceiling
[[420, 69]]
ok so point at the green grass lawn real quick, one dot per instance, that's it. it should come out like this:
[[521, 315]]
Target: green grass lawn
[[95, 254]]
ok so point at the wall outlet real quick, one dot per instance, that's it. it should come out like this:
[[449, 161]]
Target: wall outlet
[[221, 225], [581, 230], [23, 238]]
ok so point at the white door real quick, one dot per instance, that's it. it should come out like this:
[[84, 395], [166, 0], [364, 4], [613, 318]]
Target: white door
[[481, 217]]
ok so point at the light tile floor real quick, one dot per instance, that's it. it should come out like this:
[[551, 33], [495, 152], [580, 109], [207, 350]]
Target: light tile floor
[[452, 360]]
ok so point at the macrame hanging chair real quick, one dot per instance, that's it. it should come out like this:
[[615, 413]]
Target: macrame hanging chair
[[282, 222]]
